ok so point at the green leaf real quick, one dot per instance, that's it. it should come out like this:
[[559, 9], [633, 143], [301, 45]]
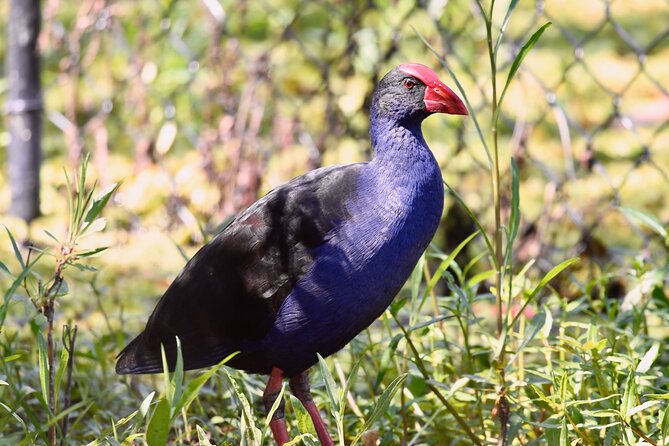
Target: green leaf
[[202, 437], [306, 439], [516, 64], [92, 252], [304, 424], [547, 278], [100, 202], [641, 407], [52, 237], [381, 405], [62, 365], [15, 247], [276, 404], [443, 266], [193, 387], [549, 322], [96, 225], [564, 433], [648, 358], [665, 423], [43, 364], [606, 413], [178, 377], [144, 407], [158, 429], [629, 398], [9, 294], [4, 268], [169, 391], [386, 360], [417, 277], [514, 220], [647, 220], [248, 419], [457, 385], [353, 374], [330, 385], [536, 325]]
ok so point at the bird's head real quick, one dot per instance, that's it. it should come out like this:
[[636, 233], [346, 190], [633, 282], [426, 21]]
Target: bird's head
[[412, 92]]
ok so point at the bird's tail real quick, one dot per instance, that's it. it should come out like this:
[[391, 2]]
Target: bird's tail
[[137, 358]]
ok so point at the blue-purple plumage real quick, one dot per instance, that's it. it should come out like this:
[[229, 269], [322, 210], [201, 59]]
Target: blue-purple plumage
[[310, 265]]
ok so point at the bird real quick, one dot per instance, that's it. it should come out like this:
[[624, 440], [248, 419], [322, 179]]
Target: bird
[[314, 262]]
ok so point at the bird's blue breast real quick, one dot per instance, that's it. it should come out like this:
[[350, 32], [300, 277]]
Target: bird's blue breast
[[360, 268]]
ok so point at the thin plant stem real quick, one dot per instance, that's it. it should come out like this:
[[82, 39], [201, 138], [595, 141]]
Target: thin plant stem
[[501, 408]]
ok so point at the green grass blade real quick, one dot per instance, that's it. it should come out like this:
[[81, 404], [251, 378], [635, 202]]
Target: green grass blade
[[505, 22], [534, 38], [15, 247], [14, 286], [178, 378], [144, 407], [386, 362], [629, 398], [648, 359], [62, 366], [665, 423], [247, 412], [514, 219], [564, 433], [202, 437], [70, 198], [330, 385], [353, 374], [382, 404], [169, 391], [194, 385], [276, 404], [304, 424], [535, 327], [100, 202], [547, 278], [43, 366], [443, 266]]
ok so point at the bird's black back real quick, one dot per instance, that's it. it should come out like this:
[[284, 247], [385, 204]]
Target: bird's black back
[[231, 290]]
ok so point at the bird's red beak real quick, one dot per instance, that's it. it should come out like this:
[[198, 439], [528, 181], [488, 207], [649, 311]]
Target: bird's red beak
[[438, 97]]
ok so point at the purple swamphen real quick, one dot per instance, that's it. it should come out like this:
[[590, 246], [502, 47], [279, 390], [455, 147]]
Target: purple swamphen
[[314, 262]]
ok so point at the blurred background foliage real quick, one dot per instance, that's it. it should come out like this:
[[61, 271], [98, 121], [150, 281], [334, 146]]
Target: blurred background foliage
[[199, 107]]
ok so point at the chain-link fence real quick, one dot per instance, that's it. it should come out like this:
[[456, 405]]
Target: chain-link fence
[[212, 103]]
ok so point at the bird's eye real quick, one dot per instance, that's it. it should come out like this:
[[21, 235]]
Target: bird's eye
[[409, 84]]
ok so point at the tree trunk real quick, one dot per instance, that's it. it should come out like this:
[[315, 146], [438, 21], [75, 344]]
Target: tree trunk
[[24, 108]]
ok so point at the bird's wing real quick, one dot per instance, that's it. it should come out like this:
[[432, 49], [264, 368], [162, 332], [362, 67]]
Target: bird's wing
[[232, 288]]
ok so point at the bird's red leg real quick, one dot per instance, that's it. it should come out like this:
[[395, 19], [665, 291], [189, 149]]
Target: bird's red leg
[[278, 422], [300, 386]]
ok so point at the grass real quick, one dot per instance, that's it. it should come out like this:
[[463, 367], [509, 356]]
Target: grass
[[585, 368]]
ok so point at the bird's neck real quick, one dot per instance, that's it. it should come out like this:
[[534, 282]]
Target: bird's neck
[[401, 153]]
